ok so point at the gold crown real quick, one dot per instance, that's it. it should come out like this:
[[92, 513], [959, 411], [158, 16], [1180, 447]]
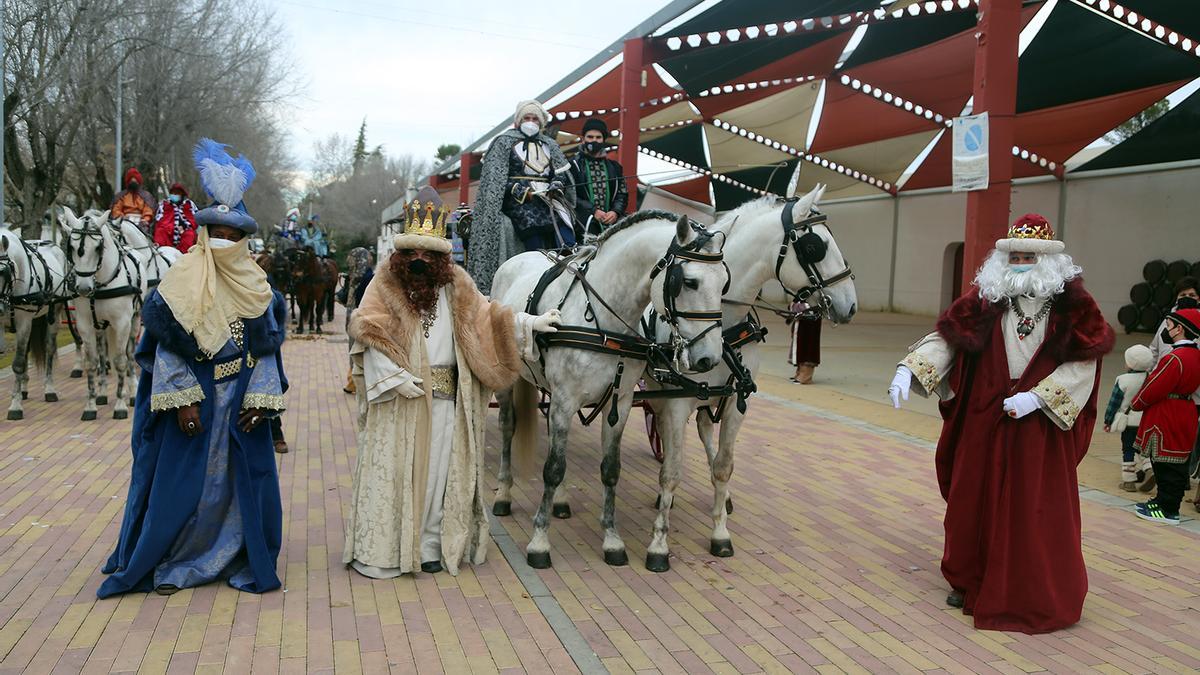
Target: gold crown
[[419, 219]]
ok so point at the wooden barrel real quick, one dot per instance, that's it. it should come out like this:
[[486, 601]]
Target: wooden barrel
[[1141, 294], [1164, 296], [1128, 316], [1178, 270], [1149, 318], [1154, 271]]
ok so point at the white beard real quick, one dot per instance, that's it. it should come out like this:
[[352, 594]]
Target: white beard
[[997, 280]]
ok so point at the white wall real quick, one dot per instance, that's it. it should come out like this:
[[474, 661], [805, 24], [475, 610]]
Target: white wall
[[1113, 226]]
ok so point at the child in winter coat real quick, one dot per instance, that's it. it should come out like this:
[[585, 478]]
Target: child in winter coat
[[1119, 418]]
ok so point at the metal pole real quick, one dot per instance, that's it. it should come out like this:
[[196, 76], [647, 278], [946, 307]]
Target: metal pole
[[120, 86]]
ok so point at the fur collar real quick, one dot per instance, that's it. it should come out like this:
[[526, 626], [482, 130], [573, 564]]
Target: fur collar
[[483, 331], [1077, 330], [263, 334]]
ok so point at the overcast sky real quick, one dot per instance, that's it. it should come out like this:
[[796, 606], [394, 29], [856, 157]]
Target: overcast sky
[[427, 73]]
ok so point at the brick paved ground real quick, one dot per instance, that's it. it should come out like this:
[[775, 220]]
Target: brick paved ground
[[835, 569]]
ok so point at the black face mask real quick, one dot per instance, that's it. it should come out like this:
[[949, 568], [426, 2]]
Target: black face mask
[[593, 147], [133, 187], [1187, 302], [1166, 337], [418, 266]]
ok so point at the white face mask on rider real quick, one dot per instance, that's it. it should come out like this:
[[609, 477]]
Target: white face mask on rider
[[221, 243], [529, 128]]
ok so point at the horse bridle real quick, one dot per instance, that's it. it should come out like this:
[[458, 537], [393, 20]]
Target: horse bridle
[[810, 249], [671, 265]]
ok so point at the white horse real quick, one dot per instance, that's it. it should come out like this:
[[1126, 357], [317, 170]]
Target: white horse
[[766, 240], [31, 287], [110, 282], [156, 260], [650, 255]]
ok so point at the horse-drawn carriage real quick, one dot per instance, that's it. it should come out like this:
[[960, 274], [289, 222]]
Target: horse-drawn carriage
[[677, 349]]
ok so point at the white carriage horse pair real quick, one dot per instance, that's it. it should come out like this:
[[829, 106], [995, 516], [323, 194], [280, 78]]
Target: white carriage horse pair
[[623, 273], [113, 264]]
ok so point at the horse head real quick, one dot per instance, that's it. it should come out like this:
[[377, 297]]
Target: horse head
[[809, 264], [686, 288], [86, 237]]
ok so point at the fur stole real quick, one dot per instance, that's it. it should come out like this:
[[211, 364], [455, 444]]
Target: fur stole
[[1077, 330], [483, 331], [263, 334]]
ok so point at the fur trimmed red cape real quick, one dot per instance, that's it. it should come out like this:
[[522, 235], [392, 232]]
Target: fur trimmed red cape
[[1012, 495]]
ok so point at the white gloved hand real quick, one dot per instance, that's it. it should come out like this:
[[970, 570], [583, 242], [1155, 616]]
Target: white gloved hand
[[412, 388], [901, 384], [1020, 405], [548, 322]]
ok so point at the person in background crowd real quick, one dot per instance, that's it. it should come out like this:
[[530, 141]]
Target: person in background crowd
[[601, 195], [1118, 417], [1187, 296], [805, 353], [134, 202], [175, 222], [522, 204], [1016, 364], [1168, 429]]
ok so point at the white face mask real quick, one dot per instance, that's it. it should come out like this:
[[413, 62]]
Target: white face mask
[[530, 128], [221, 243]]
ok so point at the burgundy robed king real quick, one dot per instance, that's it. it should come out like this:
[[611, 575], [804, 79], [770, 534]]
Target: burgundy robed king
[[1012, 496]]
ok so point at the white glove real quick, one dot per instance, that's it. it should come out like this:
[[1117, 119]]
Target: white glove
[[1020, 405], [900, 386], [546, 323], [412, 388]]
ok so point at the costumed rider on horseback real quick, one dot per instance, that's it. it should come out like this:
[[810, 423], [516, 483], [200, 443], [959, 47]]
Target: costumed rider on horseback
[[313, 237], [204, 498], [428, 352], [523, 204], [290, 227], [175, 222], [134, 202]]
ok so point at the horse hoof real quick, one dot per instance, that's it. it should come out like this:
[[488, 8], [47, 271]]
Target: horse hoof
[[562, 511], [120, 414], [88, 415], [728, 505], [617, 558], [721, 549], [538, 561], [658, 562], [101, 400], [16, 415], [51, 398], [76, 374], [502, 509]]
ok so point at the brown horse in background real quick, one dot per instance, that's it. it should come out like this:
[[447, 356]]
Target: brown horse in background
[[311, 283], [331, 277]]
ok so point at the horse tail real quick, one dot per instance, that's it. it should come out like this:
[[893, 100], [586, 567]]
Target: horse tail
[[525, 438], [37, 337]]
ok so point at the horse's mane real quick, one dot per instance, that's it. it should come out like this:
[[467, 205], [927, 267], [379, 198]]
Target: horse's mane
[[633, 219], [747, 210]]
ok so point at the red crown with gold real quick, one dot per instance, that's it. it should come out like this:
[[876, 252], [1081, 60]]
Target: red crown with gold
[[1031, 233]]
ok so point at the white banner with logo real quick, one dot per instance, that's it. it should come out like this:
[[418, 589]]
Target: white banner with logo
[[970, 163]]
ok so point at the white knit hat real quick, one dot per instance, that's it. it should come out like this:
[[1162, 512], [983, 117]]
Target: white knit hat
[[531, 106], [1139, 357]]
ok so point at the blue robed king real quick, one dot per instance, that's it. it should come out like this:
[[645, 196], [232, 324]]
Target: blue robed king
[[205, 505], [213, 497]]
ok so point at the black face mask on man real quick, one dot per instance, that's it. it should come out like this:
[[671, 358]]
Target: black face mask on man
[[1187, 302], [1166, 337], [418, 266], [593, 147]]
